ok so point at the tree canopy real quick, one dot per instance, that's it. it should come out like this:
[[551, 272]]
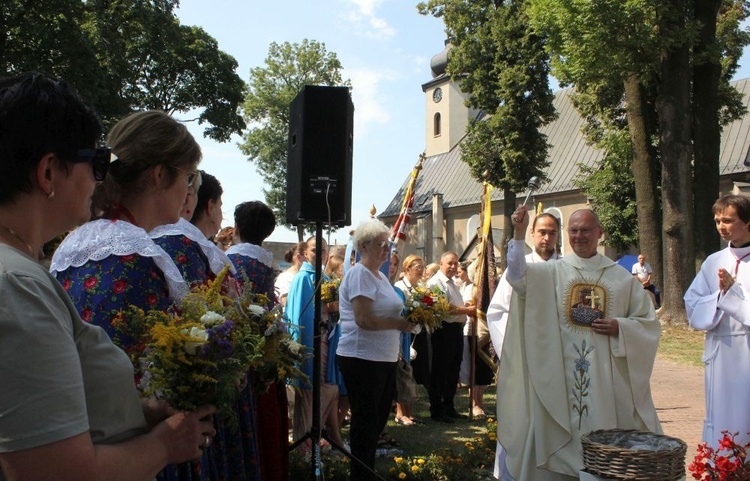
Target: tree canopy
[[271, 88], [504, 67], [125, 56]]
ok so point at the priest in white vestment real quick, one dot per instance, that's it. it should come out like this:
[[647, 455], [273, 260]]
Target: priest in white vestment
[[544, 234], [718, 302], [578, 354]]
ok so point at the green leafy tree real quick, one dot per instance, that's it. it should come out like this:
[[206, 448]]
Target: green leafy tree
[[125, 55], [46, 36], [271, 88], [716, 52], [153, 62], [612, 194], [608, 51], [504, 67], [666, 54]]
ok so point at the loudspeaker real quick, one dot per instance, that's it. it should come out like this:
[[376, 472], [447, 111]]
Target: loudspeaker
[[319, 160]]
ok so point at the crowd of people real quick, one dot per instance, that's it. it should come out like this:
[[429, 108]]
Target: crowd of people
[[575, 337], [139, 218]]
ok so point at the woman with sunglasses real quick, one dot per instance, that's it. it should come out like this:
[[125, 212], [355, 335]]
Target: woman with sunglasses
[[371, 326], [110, 264], [68, 406]]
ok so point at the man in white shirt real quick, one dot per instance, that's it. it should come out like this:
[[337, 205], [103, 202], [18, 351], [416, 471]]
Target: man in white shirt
[[642, 271], [447, 344]]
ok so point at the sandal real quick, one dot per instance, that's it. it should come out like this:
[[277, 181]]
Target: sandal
[[405, 421], [386, 441], [416, 420]]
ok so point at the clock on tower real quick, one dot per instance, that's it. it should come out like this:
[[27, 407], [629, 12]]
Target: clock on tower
[[437, 95]]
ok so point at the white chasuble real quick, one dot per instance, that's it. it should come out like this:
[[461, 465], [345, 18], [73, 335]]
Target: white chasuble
[[726, 320], [559, 379]]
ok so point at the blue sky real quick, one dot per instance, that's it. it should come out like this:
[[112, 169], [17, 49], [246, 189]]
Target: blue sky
[[385, 47]]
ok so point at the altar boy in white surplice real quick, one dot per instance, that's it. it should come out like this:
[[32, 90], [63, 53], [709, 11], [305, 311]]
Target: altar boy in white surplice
[[718, 302], [578, 354]]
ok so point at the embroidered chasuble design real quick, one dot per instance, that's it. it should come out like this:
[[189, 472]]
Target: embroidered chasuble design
[[586, 301], [581, 381]]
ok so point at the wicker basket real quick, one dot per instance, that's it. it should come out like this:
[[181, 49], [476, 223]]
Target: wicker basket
[[633, 455]]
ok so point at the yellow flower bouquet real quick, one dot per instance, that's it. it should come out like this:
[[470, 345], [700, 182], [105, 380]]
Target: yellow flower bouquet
[[329, 290], [427, 307], [202, 350], [280, 355]]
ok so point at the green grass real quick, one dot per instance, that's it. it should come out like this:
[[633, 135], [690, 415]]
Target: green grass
[[679, 344], [423, 439], [682, 344]]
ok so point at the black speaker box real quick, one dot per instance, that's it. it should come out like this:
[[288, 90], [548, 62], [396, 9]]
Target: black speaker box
[[319, 160]]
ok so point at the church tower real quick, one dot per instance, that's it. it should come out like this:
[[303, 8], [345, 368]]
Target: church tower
[[446, 114]]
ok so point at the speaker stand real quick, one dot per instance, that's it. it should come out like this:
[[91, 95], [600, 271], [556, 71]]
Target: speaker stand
[[316, 432]]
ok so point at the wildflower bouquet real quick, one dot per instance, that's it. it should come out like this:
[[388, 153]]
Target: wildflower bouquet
[[199, 352], [427, 307], [280, 355], [727, 463], [329, 291]]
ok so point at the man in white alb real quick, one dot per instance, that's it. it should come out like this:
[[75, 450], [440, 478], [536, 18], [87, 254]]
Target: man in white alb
[[544, 234], [569, 368]]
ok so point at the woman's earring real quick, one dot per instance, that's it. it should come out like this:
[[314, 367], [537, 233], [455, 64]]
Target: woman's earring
[[51, 194]]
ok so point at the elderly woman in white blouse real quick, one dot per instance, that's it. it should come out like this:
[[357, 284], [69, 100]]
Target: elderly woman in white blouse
[[371, 326]]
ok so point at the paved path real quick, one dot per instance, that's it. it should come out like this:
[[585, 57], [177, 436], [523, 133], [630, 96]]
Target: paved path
[[679, 398]]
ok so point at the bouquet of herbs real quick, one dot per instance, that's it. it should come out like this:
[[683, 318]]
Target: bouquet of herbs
[[727, 463], [280, 355], [427, 307], [201, 350], [329, 290]]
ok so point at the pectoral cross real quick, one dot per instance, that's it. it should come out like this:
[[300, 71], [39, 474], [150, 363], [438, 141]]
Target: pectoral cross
[[593, 298]]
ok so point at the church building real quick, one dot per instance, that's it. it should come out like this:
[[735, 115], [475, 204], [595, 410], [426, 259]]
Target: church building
[[445, 215]]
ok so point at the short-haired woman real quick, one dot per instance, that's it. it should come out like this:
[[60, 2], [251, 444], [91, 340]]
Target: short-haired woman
[[371, 324]]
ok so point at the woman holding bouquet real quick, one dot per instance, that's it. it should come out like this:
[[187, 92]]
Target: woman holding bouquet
[[371, 324], [110, 264], [253, 222], [68, 406], [413, 270]]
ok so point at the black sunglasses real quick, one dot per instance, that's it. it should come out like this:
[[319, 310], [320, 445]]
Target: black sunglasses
[[99, 159]]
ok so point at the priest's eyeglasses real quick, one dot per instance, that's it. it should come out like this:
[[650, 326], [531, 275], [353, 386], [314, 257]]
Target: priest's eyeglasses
[[580, 231]]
